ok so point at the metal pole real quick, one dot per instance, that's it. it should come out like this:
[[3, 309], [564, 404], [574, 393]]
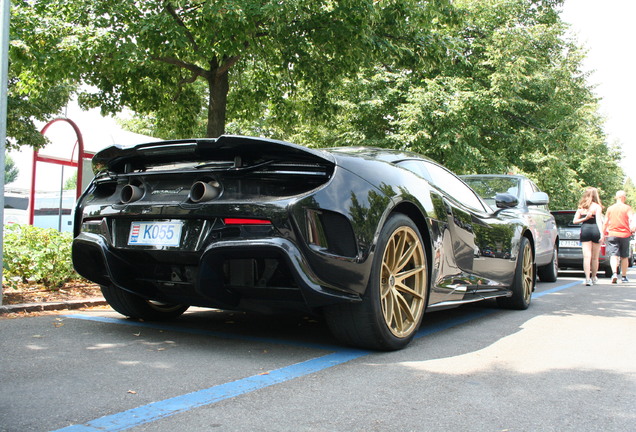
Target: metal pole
[[59, 216], [4, 78]]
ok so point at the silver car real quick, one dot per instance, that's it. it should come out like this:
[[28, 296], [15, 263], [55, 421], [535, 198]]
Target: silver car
[[570, 252], [524, 199]]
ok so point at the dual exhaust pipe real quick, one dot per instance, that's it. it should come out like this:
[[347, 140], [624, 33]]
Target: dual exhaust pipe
[[201, 191]]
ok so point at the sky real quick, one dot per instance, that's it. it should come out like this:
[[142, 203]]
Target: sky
[[605, 28], [601, 26]]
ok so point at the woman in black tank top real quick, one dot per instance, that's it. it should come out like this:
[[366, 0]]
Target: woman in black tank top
[[590, 216]]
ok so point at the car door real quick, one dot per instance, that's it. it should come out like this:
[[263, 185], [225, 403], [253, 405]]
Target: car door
[[481, 243], [458, 213], [497, 239], [475, 252], [541, 223]]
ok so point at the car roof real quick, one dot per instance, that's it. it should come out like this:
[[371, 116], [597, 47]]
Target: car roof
[[516, 176]]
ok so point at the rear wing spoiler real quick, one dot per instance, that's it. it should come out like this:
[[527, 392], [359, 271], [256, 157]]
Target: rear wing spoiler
[[227, 148]]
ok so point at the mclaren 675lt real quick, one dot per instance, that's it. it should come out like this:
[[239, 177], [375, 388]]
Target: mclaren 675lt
[[369, 238]]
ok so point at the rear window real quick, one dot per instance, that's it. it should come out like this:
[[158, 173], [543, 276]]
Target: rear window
[[564, 219]]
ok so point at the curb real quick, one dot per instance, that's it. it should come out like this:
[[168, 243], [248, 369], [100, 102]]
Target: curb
[[63, 305]]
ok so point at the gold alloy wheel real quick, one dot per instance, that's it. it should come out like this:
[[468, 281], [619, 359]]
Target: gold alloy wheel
[[527, 273], [403, 282]]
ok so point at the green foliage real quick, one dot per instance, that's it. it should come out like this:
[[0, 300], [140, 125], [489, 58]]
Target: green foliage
[[508, 96], [10, 170], [489, 86], [179, 61], [517, 102], [41, 74], [630, 190], [71, 182], [37, 255]]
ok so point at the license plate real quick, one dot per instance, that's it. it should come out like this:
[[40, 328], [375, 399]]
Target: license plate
[[569, 243], [155, 233]]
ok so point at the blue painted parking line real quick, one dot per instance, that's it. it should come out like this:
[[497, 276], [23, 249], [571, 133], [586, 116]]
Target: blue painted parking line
[[158, 410], [168, 407], [556, 289]]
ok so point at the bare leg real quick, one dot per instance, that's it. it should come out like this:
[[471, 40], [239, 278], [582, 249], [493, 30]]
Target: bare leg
[[587, 256], [596, 250], [624, 265], [614, 264]]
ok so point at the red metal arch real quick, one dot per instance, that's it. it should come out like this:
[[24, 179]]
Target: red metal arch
[[81, 154]]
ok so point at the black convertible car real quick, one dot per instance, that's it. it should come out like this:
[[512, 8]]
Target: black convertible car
[[369, 238]]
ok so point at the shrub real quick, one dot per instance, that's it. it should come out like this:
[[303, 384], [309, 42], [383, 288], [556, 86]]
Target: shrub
[[37, 255]]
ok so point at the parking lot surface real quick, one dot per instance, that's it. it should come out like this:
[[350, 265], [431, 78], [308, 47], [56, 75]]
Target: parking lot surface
[[568, 363]]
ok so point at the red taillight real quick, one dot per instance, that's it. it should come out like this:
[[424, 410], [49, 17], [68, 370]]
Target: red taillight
[[246, 221], [602, 254]]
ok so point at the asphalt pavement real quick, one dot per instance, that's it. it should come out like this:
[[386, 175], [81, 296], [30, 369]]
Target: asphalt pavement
[[568, 363]]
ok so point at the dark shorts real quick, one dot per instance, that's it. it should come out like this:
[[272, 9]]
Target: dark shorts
[[618, 246], [590, 232]]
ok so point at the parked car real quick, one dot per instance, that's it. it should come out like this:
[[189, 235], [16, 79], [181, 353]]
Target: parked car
[[370, 238], [570, 251], [532, 207], [16, 208]]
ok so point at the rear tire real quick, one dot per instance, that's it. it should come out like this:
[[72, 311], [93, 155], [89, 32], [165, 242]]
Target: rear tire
[[550, 272], [136, 307], [393, 304], [524, 279]]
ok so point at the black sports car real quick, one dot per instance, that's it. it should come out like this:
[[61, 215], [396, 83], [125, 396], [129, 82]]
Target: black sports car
[[369, 238]]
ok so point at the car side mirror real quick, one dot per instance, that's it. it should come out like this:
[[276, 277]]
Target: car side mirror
[[539, 198], [506, 200]]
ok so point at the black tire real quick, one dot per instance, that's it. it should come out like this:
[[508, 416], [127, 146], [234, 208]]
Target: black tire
[[524, 279], [136, 307], [393, 304], [550, 272]]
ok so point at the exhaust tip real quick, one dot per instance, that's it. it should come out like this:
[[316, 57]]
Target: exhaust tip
[[130, 193], [202, 191]]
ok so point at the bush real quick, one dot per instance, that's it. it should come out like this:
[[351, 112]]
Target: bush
[[37, 255]]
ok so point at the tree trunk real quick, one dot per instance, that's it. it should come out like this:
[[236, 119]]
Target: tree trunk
[[218, 85]]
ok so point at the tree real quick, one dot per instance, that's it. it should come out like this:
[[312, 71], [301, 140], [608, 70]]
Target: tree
[[40, 84], [630, 190], [480, 86], [71, 182], [174, 59], [518, 103], [511, 97], [10, 170]]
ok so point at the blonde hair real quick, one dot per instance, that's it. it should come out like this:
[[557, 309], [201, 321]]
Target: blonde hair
[[589, 196]]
